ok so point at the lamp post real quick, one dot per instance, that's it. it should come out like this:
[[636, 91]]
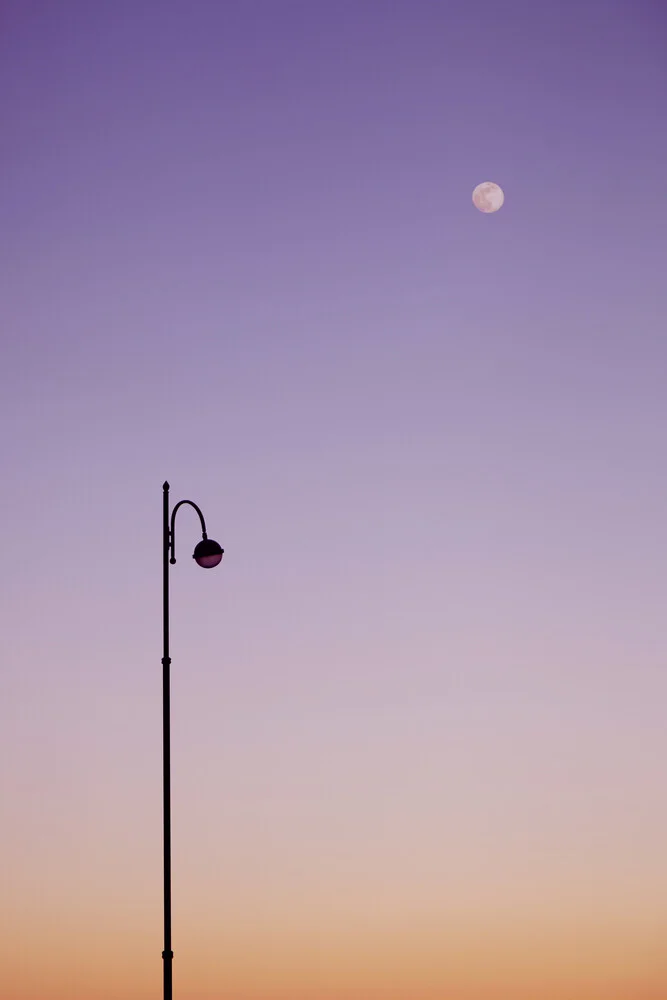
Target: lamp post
[[207, 554]]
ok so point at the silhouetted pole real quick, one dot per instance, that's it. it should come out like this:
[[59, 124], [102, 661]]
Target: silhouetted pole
[[167, 954], [207, 554]]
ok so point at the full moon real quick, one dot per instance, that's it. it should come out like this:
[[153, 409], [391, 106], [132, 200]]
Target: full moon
[[488, 197]]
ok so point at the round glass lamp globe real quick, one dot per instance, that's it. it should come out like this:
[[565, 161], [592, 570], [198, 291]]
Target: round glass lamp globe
[[207, 553]]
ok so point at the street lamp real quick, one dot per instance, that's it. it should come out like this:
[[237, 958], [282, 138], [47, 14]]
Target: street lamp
[[207, 554]]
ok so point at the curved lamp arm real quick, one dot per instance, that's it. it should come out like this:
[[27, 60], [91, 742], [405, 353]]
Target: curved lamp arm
[[172, 536]]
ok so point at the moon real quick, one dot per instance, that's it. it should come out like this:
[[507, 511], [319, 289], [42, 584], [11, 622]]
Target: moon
[[488, 197]]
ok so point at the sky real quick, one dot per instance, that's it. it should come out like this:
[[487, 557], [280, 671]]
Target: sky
[[418, 734]]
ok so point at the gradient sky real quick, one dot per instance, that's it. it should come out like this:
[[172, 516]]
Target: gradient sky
[[419, 734]]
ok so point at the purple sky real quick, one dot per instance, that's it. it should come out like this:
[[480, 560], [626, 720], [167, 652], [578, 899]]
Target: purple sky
[[426, 688]]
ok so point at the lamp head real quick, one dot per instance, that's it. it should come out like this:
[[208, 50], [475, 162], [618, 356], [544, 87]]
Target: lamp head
[[207, 553]]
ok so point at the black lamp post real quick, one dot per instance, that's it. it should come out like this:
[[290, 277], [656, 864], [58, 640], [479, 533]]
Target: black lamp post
[[207, 554]]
